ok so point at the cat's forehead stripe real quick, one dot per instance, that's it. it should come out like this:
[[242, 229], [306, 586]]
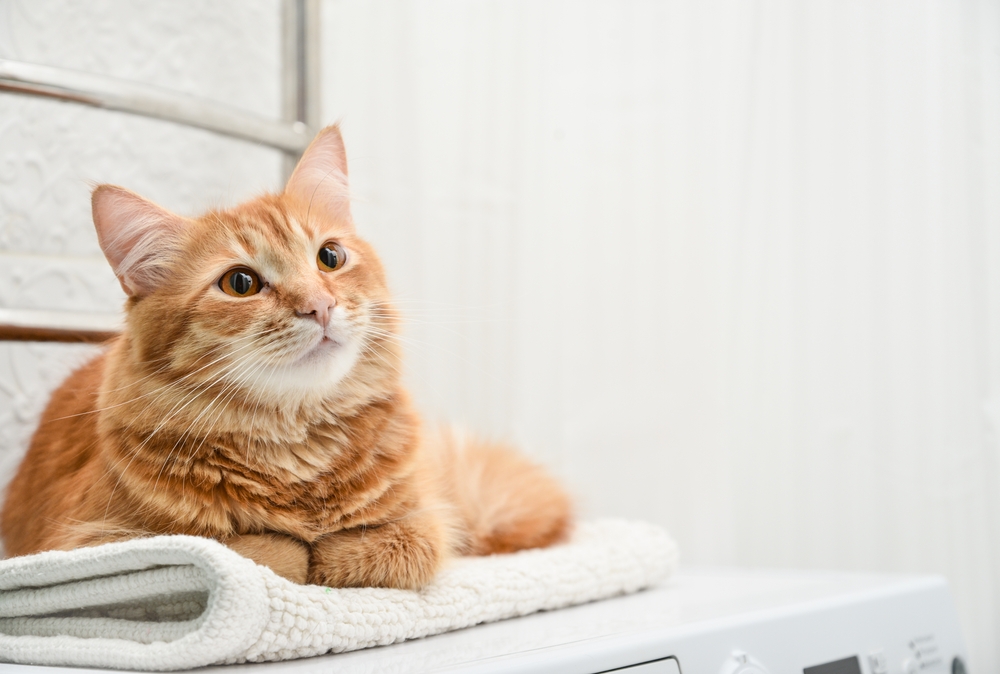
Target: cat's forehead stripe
[[294, 223], [262, 229], [269, 239], [276, 224]]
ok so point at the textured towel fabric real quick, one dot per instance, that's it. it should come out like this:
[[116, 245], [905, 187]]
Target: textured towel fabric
[[175, 602]]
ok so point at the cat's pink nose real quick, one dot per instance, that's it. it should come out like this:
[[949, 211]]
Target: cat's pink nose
[[319, 307]]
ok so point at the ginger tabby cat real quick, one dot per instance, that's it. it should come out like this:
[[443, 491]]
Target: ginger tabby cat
[[254, 397]]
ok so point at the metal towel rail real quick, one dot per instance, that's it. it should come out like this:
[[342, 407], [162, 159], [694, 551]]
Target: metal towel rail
[[290, 135]]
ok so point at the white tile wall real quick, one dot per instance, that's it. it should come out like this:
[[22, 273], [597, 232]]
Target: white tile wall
[[51, 152]]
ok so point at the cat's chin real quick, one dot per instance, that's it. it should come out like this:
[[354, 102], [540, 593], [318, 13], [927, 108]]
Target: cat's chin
[[315, 374], [324, 348]]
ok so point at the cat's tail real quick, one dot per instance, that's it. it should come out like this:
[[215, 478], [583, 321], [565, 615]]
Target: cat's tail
[[505, 501]]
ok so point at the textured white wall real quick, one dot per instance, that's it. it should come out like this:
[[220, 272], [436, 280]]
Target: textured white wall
[[733, 267], [51, 151]]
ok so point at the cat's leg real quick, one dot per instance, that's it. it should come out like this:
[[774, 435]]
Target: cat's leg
[[286, 556], [82, 534], [404, 553]]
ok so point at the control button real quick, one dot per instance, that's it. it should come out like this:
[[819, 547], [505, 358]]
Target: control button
[[742, 663], [877, 663], [957, 666]]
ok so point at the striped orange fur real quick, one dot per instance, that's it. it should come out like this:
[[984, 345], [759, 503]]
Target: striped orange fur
[[274, 422]]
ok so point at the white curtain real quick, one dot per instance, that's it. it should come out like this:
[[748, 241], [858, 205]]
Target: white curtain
[[731, 267]]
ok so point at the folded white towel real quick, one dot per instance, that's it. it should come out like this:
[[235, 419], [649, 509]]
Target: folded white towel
[[174, 602]]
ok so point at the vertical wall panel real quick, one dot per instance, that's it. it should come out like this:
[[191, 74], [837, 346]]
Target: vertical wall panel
[[728, 266]]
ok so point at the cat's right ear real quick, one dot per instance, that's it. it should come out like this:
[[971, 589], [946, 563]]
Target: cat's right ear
[[320, 179], [139, 238]]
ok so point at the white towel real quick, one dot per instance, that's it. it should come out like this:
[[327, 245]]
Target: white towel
[[175, 602]]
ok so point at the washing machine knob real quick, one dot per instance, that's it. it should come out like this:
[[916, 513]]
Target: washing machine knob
[[742, 663]]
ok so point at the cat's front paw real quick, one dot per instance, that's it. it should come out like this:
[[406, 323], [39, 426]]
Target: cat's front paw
[[286, 556], [396, 554]]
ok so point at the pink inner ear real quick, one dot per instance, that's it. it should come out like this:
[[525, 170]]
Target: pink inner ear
[[320, 178], [138, 237]]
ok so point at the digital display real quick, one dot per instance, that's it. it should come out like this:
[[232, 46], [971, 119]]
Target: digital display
[[846, 666]]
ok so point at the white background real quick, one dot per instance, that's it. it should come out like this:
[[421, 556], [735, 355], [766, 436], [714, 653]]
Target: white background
[[730, 267]]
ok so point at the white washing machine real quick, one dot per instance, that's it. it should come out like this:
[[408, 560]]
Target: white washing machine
[[701, 622]]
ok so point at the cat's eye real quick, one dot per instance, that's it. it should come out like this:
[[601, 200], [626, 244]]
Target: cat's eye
[[331, 256], [240, 282]]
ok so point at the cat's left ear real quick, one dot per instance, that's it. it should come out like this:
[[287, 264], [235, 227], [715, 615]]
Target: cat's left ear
[[319, 181]]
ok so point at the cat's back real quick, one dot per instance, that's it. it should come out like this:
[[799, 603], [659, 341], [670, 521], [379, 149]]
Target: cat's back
[[60, 465]]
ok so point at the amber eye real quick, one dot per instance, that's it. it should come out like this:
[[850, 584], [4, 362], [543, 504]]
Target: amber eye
[[331, 256], [240, 282]]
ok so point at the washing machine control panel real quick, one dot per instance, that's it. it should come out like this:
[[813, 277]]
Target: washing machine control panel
[[909, 628]]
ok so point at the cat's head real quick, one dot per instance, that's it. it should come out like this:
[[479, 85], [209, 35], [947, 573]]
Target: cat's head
[[278, 296]]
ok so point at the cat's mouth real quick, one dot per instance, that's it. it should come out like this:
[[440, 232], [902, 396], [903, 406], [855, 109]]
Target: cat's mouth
[[326, 345]]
